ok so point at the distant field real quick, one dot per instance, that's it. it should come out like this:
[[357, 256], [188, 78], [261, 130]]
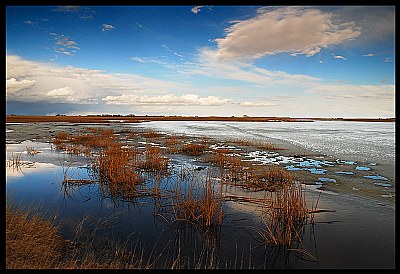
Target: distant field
[[138, 119]]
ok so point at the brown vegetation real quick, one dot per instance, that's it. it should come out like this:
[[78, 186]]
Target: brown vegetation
[[192, 199]]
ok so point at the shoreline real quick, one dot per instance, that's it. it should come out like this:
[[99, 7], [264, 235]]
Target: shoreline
[[147, 118]]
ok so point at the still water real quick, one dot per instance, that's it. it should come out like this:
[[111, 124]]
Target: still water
[[358, 234]]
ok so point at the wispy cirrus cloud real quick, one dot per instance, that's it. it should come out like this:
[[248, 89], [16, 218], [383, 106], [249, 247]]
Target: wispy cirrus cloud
[[294, 30], [348, 91], [209, 64]]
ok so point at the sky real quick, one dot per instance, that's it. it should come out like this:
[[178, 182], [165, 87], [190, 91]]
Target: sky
[[296, 61]]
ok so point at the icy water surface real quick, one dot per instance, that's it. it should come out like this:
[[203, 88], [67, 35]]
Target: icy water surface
[[360, 141]]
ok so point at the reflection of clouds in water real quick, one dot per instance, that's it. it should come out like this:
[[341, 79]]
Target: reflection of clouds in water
[[27, 168]]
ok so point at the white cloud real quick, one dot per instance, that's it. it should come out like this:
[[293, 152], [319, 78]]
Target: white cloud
[[107, 27], [369, 55], [295, 30], [13, 85], [196, 9], [339, 57], [39, 81], [167, 99], [64, 95]]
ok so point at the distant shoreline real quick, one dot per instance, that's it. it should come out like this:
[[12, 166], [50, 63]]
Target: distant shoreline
[[139, 119]]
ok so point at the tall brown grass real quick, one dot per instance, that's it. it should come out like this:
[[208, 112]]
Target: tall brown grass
[[284, 215], [194, 149], [270, 177], [257, 143], [115, 169], [33, 241], [193, 199], [153, 159]]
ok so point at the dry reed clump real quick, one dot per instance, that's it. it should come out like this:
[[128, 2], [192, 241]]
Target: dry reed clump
[[230, 163], [115, 168], [152, 134], [34, 242], [194, 149], [32, 150], [266, 177], [284, 215], [173, 143], [193, 200], [260, 144], [31, 242], [85, 143], [153, 159]]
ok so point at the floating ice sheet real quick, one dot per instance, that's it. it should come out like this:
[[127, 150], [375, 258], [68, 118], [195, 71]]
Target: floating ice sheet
[[317, 171], [382, 184], [323, 179], [376, 177], [344, 172], [362, 168]]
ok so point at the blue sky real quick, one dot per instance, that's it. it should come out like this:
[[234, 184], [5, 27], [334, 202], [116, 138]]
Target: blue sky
[[314, 61]]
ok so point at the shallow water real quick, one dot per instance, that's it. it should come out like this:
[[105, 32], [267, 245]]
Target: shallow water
[[358, 234]]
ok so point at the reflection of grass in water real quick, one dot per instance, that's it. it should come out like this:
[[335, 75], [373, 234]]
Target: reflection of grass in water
[[15, 161]]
